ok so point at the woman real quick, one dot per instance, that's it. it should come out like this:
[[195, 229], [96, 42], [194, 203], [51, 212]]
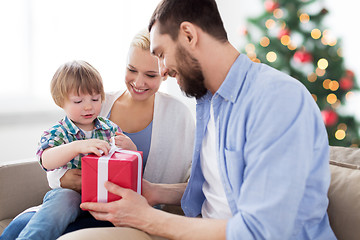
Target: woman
[[160, 126]]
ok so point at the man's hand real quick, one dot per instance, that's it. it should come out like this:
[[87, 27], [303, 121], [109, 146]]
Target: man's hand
[[72, 180], [130, 211], [134, 211]]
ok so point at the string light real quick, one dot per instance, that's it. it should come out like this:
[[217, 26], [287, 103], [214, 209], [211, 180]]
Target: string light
[[270, 23], [265, 41], [342, 126], [315, 33], [320, 72], [326, 83], [336, 104], [332, 42], [323, 63], [285, 40], [339, 52], [271, 56], [251, 55], [250, 48], [340, 134], [312, 77], [314, 97], [333, 86], [292, 46], [278, 13], [349, 95], [331, 98], [304, 18]]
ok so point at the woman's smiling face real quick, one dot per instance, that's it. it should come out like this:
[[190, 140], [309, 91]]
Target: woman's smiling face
[[142, 76]]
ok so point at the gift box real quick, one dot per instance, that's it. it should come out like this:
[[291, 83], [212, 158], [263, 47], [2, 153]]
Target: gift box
[[122, 167]]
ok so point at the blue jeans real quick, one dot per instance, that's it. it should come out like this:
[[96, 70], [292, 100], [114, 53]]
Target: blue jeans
[[60, 207], [84, 220], [16, 226]]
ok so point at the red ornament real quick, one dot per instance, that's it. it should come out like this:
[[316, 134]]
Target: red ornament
[[346, 83], [302, 57], [283, 32], [330, 117], [349, 73], [243, 31], [270, 5]]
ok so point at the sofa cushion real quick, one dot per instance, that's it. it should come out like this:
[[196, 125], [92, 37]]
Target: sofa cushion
[[3, 224], [344, 192]]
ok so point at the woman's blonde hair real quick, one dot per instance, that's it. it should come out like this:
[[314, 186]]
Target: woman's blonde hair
[[75, 77], [141, 40]]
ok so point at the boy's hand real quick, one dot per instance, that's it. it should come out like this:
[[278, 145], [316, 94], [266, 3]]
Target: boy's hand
[[123, 141], [93, 146]]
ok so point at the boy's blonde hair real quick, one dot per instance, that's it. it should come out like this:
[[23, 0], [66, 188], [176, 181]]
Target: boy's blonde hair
[[75, 77], [141, 40]]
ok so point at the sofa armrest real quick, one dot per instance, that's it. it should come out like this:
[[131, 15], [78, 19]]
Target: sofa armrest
[[23, 184], [344, 192]]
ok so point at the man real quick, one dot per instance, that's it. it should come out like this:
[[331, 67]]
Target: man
[[260, 166]]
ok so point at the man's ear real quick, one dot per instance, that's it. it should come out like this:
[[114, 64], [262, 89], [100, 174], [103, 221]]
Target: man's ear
[[164, 78], [188, 34]]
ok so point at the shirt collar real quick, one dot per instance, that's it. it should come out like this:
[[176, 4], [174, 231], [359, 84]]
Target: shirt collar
[[100, 123], [70, 126], [234, 80]]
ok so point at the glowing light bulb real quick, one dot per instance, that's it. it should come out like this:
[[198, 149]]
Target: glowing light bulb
[[285, 40], [340, 134], [349, 95], [265, 41], [250, 48], [304, 18], [314, 97], [278, 13], [270, 23], [271, 56], [320, 72], [323, 63], [292, 46], [326, 83], [339, 52], [334, 85], [342, 126], [315, 33], [312, 77], [331, 98]]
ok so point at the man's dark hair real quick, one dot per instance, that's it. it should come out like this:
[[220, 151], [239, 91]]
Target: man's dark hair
[[203, 13]]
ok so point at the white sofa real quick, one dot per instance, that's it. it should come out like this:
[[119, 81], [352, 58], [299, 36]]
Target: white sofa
[[23, 184]]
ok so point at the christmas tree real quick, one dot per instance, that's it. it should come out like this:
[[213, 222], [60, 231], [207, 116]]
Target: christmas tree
[[289, 35]]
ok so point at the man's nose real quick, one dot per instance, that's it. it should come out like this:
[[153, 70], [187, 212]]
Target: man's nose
[[163, 70]]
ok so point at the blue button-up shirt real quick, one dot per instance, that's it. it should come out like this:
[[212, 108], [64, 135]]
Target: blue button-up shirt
[[273, 155]]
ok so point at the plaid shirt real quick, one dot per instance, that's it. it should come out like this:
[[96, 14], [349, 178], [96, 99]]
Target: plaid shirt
[[65, 131]]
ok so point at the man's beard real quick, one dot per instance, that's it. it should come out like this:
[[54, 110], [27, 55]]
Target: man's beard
[[190, 74]]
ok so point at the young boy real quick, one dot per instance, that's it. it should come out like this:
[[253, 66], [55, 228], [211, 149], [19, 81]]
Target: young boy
[[77, 88]]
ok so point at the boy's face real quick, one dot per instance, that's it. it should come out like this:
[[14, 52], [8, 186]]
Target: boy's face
[[83, 109]]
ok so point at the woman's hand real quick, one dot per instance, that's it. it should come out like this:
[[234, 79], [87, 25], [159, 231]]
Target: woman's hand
[[72, 180], [149, 192], [123, 141]]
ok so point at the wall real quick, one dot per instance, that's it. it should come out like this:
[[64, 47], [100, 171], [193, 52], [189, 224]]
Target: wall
[[24, 116]]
